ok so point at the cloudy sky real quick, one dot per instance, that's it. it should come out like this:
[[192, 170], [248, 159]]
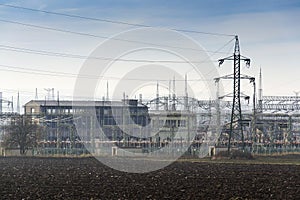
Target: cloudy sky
[[268, 30]]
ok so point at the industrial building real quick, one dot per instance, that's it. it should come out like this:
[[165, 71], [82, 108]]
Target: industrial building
[[128, 123], [58, 118]]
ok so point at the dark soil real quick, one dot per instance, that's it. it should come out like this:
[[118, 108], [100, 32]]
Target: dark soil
[[86, 178]]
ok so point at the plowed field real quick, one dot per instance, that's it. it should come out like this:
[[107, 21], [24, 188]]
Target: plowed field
[[86, 178]]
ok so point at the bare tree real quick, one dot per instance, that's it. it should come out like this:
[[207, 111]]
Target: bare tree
[[23, 132]]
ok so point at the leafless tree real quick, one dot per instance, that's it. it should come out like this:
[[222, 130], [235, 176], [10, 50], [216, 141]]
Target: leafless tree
[[23, 132]]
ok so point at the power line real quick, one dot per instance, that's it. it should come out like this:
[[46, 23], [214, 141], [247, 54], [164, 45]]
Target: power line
[[214, 53], [27, 94], [74, 16], [91, 35], [68, 55], [72, 75], [15, 91], [111, 21], [55, 29], [64, 74]]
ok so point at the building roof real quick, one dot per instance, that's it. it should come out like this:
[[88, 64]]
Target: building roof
[[82, 103]]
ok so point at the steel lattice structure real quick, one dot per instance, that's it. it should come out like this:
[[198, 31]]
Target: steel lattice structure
[[236, 129], [280, 103]]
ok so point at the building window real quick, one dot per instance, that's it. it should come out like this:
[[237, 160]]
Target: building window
[[181, 123], [167, 123], [161, 123], [173, 123], [107, 112]]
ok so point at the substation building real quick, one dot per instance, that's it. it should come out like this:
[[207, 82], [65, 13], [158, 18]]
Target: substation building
[[175, 125], [112, 117], [127, 123]]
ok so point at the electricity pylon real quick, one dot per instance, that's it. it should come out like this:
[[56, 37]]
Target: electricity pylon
[[236, 126]]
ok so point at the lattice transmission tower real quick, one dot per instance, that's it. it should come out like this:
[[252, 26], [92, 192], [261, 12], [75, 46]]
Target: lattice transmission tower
[[236, 126]]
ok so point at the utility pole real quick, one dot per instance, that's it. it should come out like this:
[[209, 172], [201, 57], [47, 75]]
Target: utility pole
[[186, 97], [58, 99], [297, 99], [157, 97], [36, 94], [297, 95], [48, 93], [170, 96], [218, 107], [52, 94], [12, 104], [236, 126], [260, 92], [253, 125], [18, 103], [174, 96], [107, 92]]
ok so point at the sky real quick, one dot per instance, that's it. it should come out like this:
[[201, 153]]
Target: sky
[[268, 31]]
